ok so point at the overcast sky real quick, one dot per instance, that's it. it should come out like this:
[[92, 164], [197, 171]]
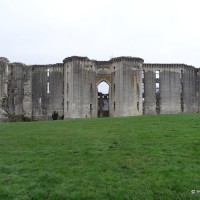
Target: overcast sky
[[47, 31]]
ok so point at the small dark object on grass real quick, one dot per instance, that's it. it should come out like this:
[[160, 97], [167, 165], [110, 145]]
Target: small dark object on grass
[[55, 115]]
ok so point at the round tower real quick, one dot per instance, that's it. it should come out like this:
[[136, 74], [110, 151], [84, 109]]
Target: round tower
[[126, 98], [79, 88]]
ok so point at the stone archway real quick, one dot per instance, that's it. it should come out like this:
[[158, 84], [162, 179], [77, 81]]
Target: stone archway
[[103, 88]]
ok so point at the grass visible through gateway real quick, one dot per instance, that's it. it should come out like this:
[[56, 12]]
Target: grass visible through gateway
[[147, 157]]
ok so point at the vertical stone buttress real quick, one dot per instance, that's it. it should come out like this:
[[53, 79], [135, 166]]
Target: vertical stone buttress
[[18, 87], [190, 89], [27, 90], [3, 88], [149, 89]]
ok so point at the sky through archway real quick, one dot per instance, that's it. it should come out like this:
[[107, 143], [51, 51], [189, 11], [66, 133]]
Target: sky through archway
[[103, 87]]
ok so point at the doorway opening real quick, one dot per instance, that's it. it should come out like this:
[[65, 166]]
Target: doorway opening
[[103, 99]]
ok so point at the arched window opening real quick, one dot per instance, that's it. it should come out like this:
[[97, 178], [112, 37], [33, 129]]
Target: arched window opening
[[103, 99]]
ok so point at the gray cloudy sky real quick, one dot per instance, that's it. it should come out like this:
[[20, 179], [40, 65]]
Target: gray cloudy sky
[[47, 31]]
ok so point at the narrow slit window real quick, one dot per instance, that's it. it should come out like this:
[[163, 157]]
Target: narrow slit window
[[181, 74], [91, 109], [157, 103], [138, 89], [114, 105], [182, 105], [48, 72], [142, 87], [48, 89], [157, 87], [67, 88], [91, 90], [181, 87], [143, 73]]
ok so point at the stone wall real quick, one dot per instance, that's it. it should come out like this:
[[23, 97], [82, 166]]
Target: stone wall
[[47, 90], [169, 88], [71, 88]]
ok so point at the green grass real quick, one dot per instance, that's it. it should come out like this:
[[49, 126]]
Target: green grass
[[147, 157]]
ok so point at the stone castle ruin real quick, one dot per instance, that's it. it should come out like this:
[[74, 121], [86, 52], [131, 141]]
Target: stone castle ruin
[[71, 88]]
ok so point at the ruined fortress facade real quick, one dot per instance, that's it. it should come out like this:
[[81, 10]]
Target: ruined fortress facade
[[70, 88]]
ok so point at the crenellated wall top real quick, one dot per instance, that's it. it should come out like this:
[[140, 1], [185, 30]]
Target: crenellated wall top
[[45, 67], [74, 58], [127, 58], [4, 59], [100, 63], [171, 65], [113, 60], [18, 64]]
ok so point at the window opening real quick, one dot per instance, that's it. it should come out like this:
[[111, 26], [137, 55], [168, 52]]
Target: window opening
[[48, 72], [138, 106], [103, 99], [181, 74], [182, 105], [138, 89], [48, 89], [91, 110], [157, 87], [67, 88], [157, 74], [143, 73]]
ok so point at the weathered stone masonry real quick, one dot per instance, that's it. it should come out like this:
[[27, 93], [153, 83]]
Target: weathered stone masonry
[[70, 88]]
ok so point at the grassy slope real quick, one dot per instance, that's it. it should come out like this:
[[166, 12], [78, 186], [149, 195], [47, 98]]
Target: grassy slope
[[149, 157]]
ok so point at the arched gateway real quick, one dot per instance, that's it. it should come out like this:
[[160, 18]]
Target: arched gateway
[[82, 76], [103, 99]]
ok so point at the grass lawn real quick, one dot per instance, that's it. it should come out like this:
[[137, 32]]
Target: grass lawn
[[147, 157]]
